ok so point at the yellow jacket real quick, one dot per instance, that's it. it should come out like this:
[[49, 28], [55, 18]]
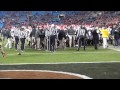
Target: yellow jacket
[[105, 33]]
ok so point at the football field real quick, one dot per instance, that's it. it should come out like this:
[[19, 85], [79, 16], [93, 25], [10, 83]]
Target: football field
[[101, 63]]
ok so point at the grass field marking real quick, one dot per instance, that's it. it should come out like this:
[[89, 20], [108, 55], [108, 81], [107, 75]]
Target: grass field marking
[[67, 73], [116, 49], [96, 52], [62, 63]]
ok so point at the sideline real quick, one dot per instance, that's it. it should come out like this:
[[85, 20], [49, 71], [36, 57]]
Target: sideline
[[67, 73]]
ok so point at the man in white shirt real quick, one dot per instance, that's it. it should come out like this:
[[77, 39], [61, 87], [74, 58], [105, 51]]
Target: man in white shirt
[[71, 34], [47, 39], [12, 35], [28, 31], [33, 35]]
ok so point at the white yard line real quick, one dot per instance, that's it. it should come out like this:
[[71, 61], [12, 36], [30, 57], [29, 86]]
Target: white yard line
[[62, 63], [67, 73], [115, 49]]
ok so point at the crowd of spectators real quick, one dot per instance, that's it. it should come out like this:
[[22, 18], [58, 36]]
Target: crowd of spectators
[[95, 18]]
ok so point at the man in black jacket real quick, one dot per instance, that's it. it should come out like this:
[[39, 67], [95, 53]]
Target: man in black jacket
[[116, 38], [62, 37], [9, 38], [95, 39], [37, 38], [42, 36]]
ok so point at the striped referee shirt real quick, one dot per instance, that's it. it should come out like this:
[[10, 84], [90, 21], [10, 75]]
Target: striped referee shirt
[[22, 34], [53, 31], [81, 32]]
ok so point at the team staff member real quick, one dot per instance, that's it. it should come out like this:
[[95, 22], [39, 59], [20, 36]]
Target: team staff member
[[105, 34], [71, 34]]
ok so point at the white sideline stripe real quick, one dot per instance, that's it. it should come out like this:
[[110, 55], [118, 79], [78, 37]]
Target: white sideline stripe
[[62, 63], [67, 73], [112, 48], [5, 78], [65, 53]]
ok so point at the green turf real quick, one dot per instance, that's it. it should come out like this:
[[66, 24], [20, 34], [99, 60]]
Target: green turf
[[93, 70], [68, 55]]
